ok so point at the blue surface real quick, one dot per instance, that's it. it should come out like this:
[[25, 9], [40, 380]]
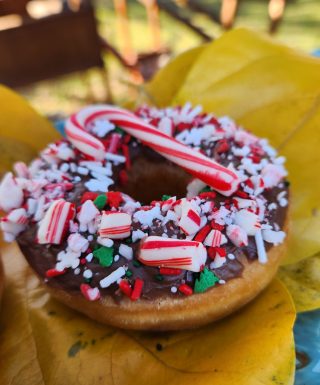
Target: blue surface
[[307, 337], [306, 331]]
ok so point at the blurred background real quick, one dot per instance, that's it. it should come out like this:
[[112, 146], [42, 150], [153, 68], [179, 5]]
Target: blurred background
[[62, 54]]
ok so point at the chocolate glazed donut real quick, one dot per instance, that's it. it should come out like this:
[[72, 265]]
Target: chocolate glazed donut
[[132, 240]]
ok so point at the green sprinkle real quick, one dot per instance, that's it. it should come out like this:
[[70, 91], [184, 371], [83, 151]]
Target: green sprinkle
[[206, 189], [207, 279], [100, 201], [129, 273], [105, 256], [128, 240], [119, 130], [165, 197], [136, 263], [88, 280], [159, 277]]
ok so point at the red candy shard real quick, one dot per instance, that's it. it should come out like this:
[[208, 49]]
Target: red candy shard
[[114, 198], [90, 293], [201, 235], [88, 196]]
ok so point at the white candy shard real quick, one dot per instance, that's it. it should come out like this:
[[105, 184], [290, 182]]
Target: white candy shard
[[115, 225], [272, 174], [77, 243], [215, 239], [87, 213], [275, 237], [55, 222], [248, 221], [11, 194], [175, 253], [237, 235], [218, 262]]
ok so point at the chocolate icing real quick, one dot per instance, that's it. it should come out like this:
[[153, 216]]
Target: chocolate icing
[[150, 177]]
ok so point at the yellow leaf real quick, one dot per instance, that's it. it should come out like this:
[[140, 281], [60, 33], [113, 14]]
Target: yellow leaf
[[274, 92], [303, 281], [19, 121], [166, 82], [44, 342]]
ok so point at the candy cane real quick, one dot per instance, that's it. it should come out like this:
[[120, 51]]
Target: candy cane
[[115, 225], [217, 176], [176, 253], [54, 224]]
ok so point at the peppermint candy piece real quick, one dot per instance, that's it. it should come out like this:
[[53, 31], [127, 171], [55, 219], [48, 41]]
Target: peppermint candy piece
[[190, 219], [87, 213], [215, 239], [90, 293], [275, 237], [115, 225], [14, 223], [175, 253], [54, 224], [11, 194], [248, 221], [237, 235]]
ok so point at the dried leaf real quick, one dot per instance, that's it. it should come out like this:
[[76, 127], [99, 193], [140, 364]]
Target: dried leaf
[[44, 342], [273, 91], [303, 281]]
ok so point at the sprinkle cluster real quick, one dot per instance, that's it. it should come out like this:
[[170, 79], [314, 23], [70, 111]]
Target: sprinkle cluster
[[181, 238]]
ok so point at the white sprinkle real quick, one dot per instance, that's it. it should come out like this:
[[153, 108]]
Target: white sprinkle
[[115, 158], [262, 255], [90, 238], [113, 277], [222, 281], [83, 171], [126, 251], [77, 178], [173, 289], [231, 256], [64, 167], [77, 271], [116, 258], [87, 274]]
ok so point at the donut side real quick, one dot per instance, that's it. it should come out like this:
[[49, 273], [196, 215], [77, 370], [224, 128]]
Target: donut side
[[183, 313]]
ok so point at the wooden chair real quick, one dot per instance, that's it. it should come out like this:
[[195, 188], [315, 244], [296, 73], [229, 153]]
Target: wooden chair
[[48, 47]]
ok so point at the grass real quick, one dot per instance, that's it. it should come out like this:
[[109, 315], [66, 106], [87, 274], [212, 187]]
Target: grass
[[299, 29]]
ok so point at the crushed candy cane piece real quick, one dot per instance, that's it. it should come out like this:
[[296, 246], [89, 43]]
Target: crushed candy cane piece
[[115, 225]]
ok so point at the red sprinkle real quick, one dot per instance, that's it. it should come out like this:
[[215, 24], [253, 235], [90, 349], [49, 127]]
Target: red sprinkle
[[201, 235], [185, 289], [125, 287], [169, 271], [137, 289], [114, 198], [88, 196], [54, 273], [126, 153], [83, 261]]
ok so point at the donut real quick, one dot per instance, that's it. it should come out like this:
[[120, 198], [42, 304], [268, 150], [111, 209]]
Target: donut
[[161, 219]]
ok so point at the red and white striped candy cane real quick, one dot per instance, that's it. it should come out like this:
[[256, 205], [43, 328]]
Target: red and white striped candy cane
[[217, 176], [176, 253]]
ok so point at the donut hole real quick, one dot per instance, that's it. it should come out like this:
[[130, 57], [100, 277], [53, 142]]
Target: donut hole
[[150, 180]]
